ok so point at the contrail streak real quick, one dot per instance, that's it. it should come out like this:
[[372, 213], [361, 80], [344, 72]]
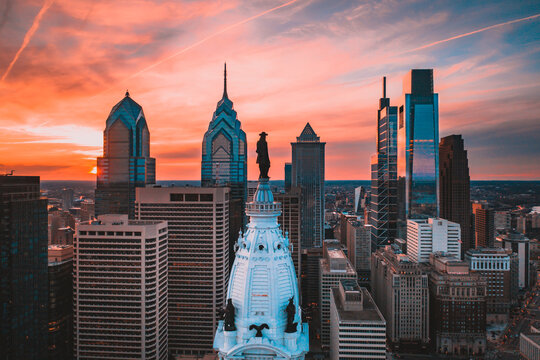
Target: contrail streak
[[202, 41], [28, 36], [471, 33]]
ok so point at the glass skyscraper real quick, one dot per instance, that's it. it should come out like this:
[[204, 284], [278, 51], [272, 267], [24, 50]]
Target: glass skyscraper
[[224, 160], [308, 174], [126, 162], [23, 268], [383, 207], [418, 148]]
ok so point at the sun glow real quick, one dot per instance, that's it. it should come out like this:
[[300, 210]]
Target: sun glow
[[93, 171]]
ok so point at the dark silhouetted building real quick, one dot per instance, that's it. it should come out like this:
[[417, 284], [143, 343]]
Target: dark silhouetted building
[[418, 149], [224, 161], [455, 187], [126, 162], [23, 265], [383, 206], [61, 302], [484, 225], [289, 220], [67, 199], [308, 174], [288, 174]]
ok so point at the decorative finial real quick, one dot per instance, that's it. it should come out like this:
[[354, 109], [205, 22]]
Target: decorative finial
[[127, 92], [225, 82]]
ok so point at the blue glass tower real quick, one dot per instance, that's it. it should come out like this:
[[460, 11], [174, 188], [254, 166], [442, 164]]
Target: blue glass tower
[[418, 148], [383, 207], [23, 268], [126, 162]]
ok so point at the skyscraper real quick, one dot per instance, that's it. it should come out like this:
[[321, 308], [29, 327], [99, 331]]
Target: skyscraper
[[289, 220], [455, 188], [484, 225], [308, 174], [23, 265], [224, 160], [126, 162], [383, 207], [425, 237], [120, 289], [418, 148], [288, 174], [198, 223], [263, 317]]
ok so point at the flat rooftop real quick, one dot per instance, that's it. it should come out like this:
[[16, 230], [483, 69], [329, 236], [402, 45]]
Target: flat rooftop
[[370, 311]]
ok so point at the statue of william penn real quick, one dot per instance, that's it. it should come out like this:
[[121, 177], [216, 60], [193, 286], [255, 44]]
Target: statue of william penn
[[262, 156]]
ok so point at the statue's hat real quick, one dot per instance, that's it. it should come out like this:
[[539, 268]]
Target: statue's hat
[[263, 134]]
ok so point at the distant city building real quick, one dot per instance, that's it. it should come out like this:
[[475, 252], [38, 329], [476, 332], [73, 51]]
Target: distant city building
[[484, 225], [520, 245], [87, 210], [383, 207], [425, 237], [457, 307], [198, 224], [126, 162], [263, 318], [61, 225], [499, 267], [289, 220], [455, 187], [357, 327], [23, 268], [60, 302], [308, 174], [400, 290], [67, 199], [344, 218], [120, 289], [224, 161], [359, 249], [288, 176], [418, 135], [334, 267], [359, 200], [503, 220]]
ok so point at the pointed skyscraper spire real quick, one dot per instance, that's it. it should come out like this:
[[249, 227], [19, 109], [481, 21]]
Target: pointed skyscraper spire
[[225, 82], [127, 92]]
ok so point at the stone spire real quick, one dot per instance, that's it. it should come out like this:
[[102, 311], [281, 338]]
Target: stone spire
[[225, 82]]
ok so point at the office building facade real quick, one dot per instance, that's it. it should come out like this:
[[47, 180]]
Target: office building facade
[[198, 225], [308, 174], [418, 148], [383, 206], [357, 327], [455, 187], [425, 237], [23, 265], [359, 249], [399, 287], [484, 225], [120, 289], [126, 162], [520, 245], [289, 220]]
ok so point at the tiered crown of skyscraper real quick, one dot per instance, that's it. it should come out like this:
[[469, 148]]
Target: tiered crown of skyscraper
[[263, 316]]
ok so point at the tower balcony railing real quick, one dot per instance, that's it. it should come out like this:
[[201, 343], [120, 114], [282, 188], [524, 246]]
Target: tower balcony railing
[[257, 208]]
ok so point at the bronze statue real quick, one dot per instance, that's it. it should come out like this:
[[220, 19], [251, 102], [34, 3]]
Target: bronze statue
[[259, 329], [262, 156], [228, 321], [291, 311]]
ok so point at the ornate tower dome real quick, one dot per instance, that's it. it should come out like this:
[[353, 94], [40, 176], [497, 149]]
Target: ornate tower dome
[[263, 317]]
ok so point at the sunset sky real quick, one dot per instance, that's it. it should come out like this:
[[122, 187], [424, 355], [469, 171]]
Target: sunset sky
[[65, 63]]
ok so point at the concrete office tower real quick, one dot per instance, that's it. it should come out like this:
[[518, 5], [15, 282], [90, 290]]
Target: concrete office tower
[[432, 235], [67, 199], [455, 187], [120, 289], [289, 220], [359, 249], [126, 162], [400, 290], [383, 206], [308, 175], [503, 220], [60, 302], [224, 160], [198, 220], [357, 327], [457, 307], [418, 148], [520, 245], [87, 210], [288, 176], [500, 269], [263, 317], [484, 225], [23, 268], [334, 267]]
